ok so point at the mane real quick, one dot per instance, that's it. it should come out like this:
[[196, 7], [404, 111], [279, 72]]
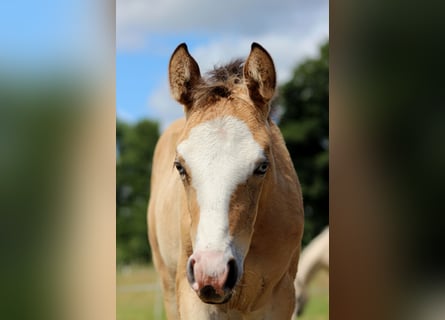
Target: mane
[[219, 82]]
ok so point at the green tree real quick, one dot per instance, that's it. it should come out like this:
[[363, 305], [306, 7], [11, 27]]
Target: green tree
[[135, 147], [305, 127]]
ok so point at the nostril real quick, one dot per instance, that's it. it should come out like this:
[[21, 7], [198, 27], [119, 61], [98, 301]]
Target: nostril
[[190, 271], [232, 276]]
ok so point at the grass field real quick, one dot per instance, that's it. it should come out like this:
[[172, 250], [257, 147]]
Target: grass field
[[139, 295]]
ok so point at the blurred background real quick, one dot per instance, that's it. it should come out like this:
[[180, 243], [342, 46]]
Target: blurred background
[[56, 112], [295, 33]]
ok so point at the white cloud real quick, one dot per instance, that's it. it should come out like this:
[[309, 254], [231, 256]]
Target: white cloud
[[172, 15], [137, 19], [125, 115]]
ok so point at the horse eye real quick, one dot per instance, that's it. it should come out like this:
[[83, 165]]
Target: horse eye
[[180, 169], [262, 168]]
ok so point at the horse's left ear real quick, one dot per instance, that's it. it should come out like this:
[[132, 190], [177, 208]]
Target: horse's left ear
[[260, 75]]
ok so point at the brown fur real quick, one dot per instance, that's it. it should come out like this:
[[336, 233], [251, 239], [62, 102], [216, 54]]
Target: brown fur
[[266, 212]]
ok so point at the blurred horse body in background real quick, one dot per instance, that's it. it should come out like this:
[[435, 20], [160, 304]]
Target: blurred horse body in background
[[314, 257]]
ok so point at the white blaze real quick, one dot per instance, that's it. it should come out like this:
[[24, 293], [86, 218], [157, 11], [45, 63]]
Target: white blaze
[[221, 154]]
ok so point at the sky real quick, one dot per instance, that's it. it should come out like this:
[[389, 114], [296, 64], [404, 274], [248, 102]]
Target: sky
[[148, 31], [38, 34]]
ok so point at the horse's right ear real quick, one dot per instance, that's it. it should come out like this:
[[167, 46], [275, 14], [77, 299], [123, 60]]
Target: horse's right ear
[[183, 74]]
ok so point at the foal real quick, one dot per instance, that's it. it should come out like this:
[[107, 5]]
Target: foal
[[225, 228]]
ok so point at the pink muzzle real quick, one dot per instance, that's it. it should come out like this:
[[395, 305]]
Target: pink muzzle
[[212, 275]]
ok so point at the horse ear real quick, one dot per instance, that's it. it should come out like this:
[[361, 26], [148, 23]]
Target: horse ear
[[259, 72], [183, 74]]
